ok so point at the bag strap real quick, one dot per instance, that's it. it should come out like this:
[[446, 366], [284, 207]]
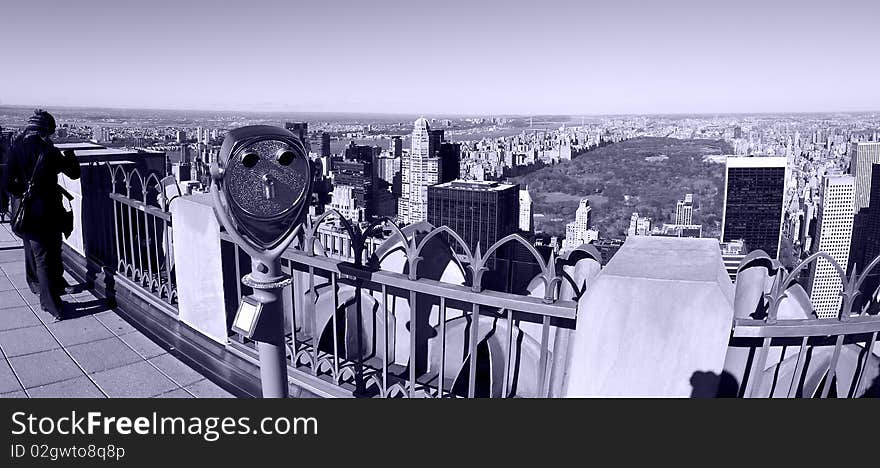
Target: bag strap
[[30, 184]]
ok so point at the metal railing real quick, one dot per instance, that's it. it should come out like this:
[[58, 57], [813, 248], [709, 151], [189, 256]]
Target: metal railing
[[374, 331], [810, 357], [142, 233]]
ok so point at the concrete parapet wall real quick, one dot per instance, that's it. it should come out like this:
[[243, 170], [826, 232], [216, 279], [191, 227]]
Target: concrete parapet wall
[[655, 322]]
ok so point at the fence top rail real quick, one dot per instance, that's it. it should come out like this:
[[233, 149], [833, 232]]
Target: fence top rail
[[753, 328], [501, 300], [139, 205], [494, 299]]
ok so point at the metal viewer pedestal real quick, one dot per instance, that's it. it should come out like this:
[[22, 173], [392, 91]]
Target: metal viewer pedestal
[[267, 281]]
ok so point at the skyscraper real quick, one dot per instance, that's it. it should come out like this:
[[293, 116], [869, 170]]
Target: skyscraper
[[419, 170], [396, 148], [325, 145], [578, 231], [863, 155], [526, 211], [754, 194], [355, 170], [480, 212], [835, 224], [449, 155], [301, 130], [684, 210], [871, 227], [435, 137]]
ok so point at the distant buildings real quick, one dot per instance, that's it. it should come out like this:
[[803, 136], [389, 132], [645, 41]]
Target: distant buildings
[[639, 226], [835, 225], [419, 170], [684, 210], [345, 201], [679, 230], [732, 254], [683, 223], [578, 232], [753, 202], [301, 130], [103, 134], [607, 248], [480, 212], [355, 170]]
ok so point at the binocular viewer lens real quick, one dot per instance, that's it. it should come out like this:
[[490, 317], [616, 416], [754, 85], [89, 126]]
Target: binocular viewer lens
[[249, 159], [284, 157]]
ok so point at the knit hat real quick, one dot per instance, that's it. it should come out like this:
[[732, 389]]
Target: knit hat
[[41, 121]]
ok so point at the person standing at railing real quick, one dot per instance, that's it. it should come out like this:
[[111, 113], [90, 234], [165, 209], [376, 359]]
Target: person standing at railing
[[38, 214]]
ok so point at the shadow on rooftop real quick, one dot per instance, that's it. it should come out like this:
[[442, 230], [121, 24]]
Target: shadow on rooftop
[[712, 385], [74, 310]]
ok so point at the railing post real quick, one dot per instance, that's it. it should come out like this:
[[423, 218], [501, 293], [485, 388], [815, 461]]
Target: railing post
[[559, 364]]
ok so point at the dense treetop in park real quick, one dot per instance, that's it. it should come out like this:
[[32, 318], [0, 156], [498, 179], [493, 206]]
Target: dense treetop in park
[[645, 175]]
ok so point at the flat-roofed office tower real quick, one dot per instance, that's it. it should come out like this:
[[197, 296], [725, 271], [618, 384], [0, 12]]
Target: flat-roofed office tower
[[834, 229], [419, 170], [871, 228], [479, 211], [325, 145], [862, 156], [754, 193], [870, 237]]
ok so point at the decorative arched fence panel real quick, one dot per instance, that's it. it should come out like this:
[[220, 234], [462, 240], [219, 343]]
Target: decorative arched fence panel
[[784, 350], [401, 315], [142, 233]]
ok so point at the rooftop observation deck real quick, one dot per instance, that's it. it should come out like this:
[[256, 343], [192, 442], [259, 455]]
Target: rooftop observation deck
[[93, 354], [406, 317]]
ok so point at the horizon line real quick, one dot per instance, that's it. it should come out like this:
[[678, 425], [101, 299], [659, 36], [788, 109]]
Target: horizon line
[[440, 114]]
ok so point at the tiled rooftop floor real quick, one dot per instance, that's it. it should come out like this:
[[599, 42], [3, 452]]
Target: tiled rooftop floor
[[96, 355], [7, 239]]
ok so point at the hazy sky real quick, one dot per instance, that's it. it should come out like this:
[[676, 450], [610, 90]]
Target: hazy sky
[[449, 56]]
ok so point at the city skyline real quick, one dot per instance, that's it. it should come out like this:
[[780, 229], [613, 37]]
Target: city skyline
[[586, 58]]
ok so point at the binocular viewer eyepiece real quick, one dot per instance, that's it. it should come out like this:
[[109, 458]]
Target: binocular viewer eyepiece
[[264, 177]]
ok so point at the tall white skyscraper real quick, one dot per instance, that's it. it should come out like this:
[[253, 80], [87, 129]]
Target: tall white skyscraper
[[418, 171], [684, 210], [862, 156], [578, 231], [834, 227], [525, 210]]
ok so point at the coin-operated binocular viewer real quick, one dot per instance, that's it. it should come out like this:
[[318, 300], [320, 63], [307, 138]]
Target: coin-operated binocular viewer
[[261, 186]]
